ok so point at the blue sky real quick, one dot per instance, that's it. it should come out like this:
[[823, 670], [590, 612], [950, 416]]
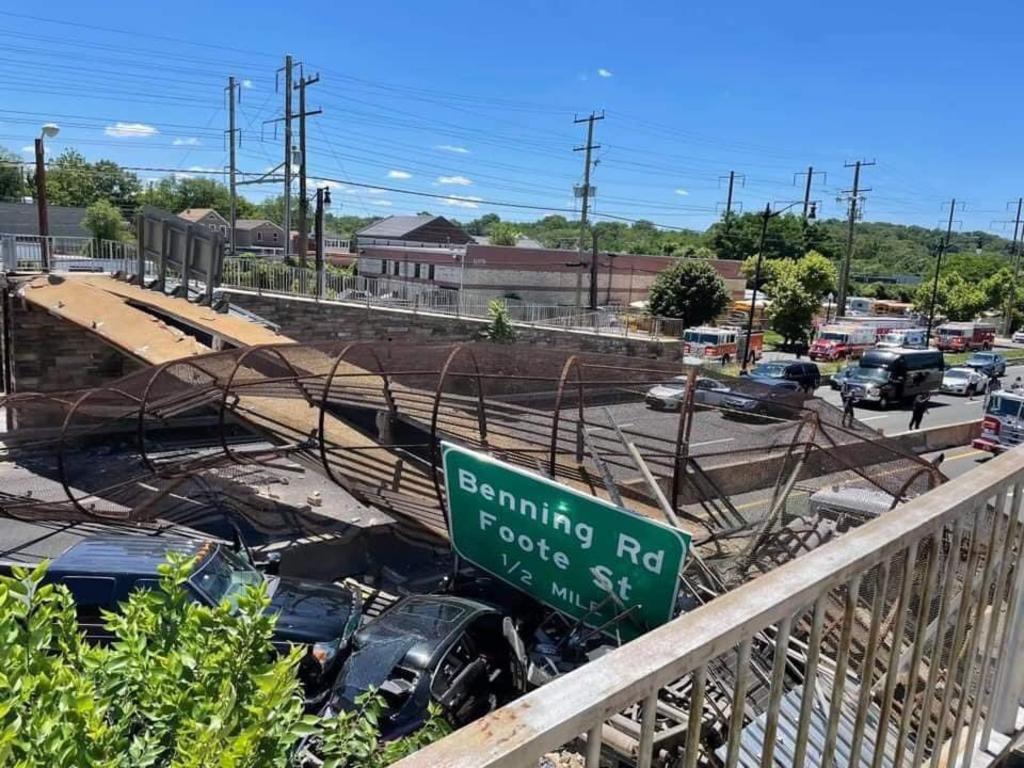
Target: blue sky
[[475, 101]]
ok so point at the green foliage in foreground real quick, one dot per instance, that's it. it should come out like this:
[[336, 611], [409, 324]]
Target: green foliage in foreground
[[182, 685]]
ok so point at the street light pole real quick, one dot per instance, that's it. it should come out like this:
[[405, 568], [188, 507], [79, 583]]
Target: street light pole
[[49, 130], [943, 245]]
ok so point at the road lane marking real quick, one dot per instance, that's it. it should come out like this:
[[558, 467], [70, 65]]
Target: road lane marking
[[875, 418], [713, 442]]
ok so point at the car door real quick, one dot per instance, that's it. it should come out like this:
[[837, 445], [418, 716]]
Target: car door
[[459, 683], [709, 392]]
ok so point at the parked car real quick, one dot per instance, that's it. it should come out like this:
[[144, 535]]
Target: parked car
[[1018, 337], [887, 376], [806, 375], [448, 650], [102, 571], [669, 396], [988, 363], [839, 378], [773, 398], [957, 381]]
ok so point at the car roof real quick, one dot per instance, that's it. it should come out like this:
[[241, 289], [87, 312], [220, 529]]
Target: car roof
[[435, 620], [126, 554]]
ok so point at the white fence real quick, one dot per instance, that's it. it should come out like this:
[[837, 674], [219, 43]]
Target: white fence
[[66, 254], [264, 276]]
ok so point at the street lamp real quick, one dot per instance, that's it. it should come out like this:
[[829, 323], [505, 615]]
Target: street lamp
[[828, 309], [766, 215], [49, 130]]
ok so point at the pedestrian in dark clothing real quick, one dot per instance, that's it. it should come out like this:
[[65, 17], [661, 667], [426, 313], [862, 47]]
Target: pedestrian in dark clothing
[[972, 389], [848, 403], [920, 407], [993, 384]]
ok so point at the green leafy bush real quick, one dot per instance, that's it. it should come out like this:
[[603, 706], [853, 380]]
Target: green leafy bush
[[182, 685]]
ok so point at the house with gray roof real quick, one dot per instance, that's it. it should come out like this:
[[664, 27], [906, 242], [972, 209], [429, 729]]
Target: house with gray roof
[[258, 233], [404, 230]]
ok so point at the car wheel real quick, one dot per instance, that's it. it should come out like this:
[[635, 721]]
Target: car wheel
[[883, 403]]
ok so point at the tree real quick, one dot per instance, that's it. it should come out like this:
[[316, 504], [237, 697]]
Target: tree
[[176, 193], [956, 298], [72, 180], [690, 290], [182, 684], [104, 221], [793, 307], [12, 181], [503, 233]]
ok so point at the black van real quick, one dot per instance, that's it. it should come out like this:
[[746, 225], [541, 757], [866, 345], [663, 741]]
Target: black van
[[887, 376]]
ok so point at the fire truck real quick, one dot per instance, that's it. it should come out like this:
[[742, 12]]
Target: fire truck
[[1002, 426], [965, 337], [723, 344], [843, 341]]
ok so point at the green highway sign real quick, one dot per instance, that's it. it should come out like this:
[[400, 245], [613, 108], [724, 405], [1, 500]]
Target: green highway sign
[[576, 553]]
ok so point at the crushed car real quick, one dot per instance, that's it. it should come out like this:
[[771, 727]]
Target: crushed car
[[101, 572]]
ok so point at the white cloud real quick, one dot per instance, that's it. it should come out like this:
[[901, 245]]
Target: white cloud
[[461, 181], [30, 149], [604, 72], [399, 175], [452, 148], [384, 203], [376, 191], [463, 202], [130, 130], [247, 83], [191, 141], [682, 192]]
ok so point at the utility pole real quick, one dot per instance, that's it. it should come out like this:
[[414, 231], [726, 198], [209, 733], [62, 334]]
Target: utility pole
[[586, 195], [844, 270], [943, 245], [303, 200], [810, 173], [1015, 260], [727, 218], [288, 64], [323, 199], [593, 272], [232, 188]]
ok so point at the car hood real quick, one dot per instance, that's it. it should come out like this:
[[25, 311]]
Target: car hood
[[665, 392], [310, 612]]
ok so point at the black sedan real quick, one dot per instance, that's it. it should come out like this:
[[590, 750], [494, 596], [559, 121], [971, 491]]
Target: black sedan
[[428, 648]]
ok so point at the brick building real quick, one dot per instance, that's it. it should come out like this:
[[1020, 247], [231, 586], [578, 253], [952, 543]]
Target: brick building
[[531, 275]]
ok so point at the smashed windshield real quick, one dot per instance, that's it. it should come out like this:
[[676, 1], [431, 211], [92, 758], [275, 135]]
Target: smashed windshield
[[224, 576], [369, 666]]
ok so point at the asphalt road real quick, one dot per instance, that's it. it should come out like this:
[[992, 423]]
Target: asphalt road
[[946, 409]]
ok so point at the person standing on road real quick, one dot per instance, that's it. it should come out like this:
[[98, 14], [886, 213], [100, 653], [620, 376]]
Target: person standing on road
[[848, 403], [972, 388], [993, 384], [920, 407]]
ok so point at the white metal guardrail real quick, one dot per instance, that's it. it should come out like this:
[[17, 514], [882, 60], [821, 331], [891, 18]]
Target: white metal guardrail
[[899, 643], [67, 254], [264, 276]]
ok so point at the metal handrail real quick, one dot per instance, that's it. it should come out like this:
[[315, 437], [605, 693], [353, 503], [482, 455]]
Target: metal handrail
[[578, 703]]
